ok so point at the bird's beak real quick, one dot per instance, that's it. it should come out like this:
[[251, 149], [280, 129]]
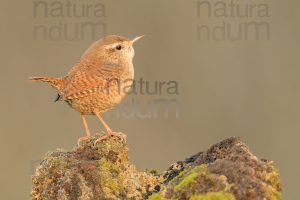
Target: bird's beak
[[136, 39]]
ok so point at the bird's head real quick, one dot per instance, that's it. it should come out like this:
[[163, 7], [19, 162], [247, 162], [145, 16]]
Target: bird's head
[[112, 47]]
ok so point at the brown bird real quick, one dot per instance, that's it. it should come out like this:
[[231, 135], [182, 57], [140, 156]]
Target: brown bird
[[99, 81]]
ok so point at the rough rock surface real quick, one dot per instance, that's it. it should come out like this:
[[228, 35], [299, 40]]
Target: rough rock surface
[[92, 171], [226, 171]]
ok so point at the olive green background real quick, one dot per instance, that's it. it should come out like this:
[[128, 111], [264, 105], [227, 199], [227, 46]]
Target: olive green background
[[245, 88]]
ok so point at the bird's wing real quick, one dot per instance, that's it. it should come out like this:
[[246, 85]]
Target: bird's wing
[[87, 80]]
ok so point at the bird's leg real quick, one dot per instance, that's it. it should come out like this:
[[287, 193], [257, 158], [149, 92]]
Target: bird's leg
[[109, 131], [87, 130]]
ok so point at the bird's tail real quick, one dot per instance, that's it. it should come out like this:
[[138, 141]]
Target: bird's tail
[[56, 83]]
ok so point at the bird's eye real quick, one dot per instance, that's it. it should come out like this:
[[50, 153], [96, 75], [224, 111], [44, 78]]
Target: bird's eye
[[119, 47]]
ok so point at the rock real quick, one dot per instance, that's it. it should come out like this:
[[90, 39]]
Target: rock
[[90, 171], [226, 171]]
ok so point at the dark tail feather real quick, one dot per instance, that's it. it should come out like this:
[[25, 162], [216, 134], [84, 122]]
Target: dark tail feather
[[57, 98], [57, 83]]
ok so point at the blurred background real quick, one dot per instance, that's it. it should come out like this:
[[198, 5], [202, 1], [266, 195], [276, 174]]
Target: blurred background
[[235, 66]]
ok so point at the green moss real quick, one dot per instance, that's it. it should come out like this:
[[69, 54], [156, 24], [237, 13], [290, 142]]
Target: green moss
[[214, 196], [270, 175], [92, 171], [157, 197], [111, 178], [180, 175], [103, 171], [58, 163], [207, 196], [191, 177], [277, 196], [196, 182]]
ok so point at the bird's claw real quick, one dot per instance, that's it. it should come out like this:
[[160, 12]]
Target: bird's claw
[[120, 136], [80, 140]]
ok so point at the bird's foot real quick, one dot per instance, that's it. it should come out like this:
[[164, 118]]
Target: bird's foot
[[80, 140], [118, 135]]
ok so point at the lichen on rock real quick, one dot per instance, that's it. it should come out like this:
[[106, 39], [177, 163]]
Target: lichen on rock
[[92, 171], [226, 171]]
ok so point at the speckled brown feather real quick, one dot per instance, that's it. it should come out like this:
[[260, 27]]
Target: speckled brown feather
[[84, 88], [99, 81], [57, 83]]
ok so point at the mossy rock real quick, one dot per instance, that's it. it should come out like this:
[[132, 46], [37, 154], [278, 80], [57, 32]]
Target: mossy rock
[[226, 171], [92, 171]]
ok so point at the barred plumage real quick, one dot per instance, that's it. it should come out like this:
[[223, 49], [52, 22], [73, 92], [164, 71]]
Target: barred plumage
[[85, 87]]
